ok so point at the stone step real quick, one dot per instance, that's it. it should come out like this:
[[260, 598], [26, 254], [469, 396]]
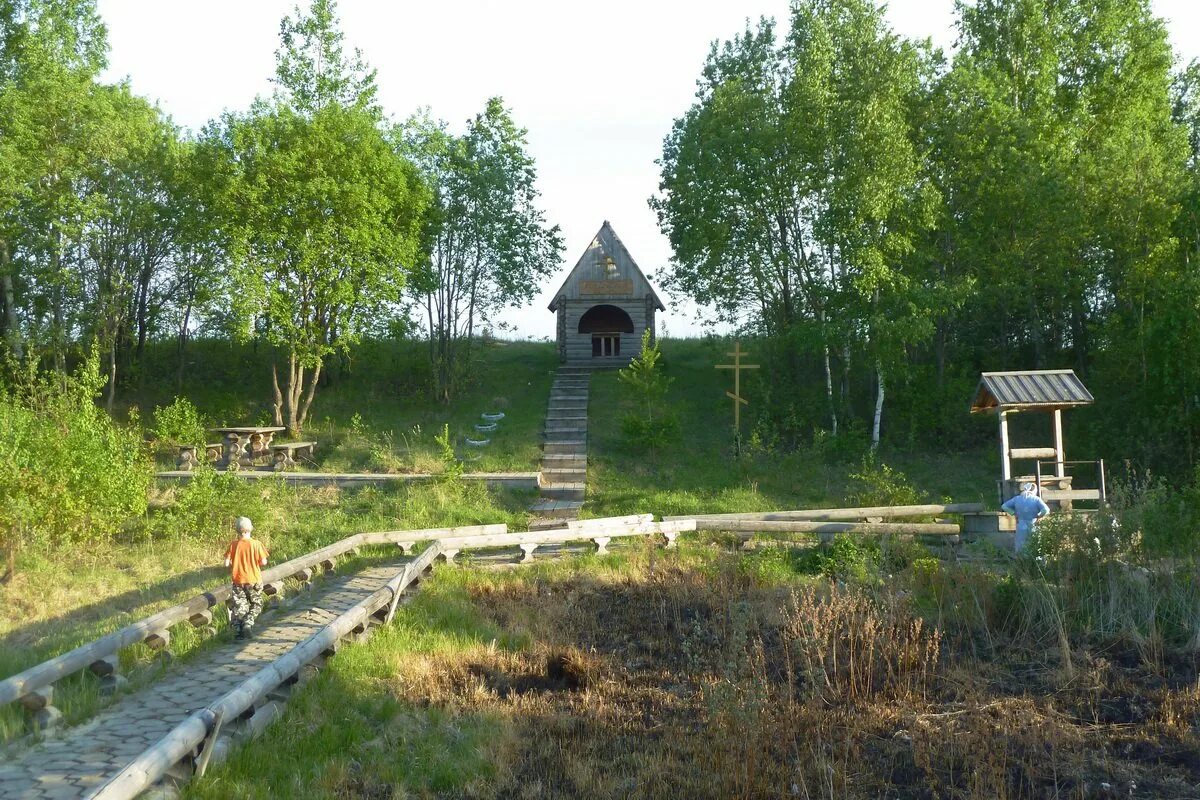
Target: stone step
[[566, 415], [565, 445], [569, 402], [574, 395], [563, 475], [564, 460], [553, 432], [557, 509], [564, 491]]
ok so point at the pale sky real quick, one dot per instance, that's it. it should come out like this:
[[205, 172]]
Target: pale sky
[[597, 85]]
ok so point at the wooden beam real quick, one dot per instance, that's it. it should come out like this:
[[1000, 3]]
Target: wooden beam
[[1033, 452], [845, 513], [1006, 465], [803, 526], [1059, 452]]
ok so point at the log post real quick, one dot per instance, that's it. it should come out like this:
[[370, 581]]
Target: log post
[[1059, 452], [329, 564], [602, 544], [201, 618], [449, 555], [103, 667], [406, 547], [159, 639], [272, 589], [1005, 462], [528, 548], [670, 536], [40, 705]]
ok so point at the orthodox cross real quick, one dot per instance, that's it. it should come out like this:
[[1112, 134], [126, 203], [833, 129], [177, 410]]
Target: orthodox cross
[[738, 401]]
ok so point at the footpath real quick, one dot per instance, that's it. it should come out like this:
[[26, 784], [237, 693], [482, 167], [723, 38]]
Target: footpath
[[72, 763], [563, 478]]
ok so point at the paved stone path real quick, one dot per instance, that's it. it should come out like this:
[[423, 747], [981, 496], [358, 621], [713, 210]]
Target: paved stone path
[[80, 758], [563, 479]]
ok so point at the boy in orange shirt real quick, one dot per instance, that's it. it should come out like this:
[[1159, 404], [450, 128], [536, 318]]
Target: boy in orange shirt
[[245, 558]]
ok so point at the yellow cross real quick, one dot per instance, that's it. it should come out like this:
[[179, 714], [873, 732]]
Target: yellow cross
[[738, 401]]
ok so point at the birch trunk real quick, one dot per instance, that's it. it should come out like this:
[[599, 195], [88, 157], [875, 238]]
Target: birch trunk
[[833, 419], [879, 389], [277, 395], [12, 332]]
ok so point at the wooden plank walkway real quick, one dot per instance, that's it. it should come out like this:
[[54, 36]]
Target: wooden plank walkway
[[72, 762]]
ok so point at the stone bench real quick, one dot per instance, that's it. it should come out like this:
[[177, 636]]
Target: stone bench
[[189, 459], [286, 452]]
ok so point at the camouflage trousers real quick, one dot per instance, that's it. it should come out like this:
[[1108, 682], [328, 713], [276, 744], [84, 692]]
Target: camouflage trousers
[[247, 605]]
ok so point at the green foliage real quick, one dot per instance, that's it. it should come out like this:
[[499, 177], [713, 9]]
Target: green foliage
[[877, 484], [452, 468], [207, 505], [318, 206], [180, 422], [793, 193], [651, 423], [846, 558], [487, 245], [68, 473]]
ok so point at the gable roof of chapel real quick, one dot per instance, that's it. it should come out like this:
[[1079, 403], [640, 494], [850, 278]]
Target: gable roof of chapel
[[605, 246]]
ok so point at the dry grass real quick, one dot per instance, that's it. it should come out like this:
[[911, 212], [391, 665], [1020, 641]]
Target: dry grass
[[686, 683]]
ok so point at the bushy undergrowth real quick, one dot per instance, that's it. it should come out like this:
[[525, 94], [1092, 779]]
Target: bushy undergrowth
[[68, 473], [179, 422]]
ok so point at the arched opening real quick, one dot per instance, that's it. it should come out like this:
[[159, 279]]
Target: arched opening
[[605, 319], [605, 323]]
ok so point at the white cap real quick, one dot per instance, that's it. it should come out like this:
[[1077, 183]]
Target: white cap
[[244, 525]]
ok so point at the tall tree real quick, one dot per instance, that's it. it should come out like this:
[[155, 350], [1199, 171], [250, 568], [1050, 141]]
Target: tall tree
[[792, 190], [488, 243], [57, 123], [325, 217]]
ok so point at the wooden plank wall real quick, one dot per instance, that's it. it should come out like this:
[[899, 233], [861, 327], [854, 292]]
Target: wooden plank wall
[[579, 345]]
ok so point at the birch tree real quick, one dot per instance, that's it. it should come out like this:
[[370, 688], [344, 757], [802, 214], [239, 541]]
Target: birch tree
[[488, 243]]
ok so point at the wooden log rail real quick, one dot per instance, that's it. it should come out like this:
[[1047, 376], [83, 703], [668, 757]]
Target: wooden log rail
[[864, 513], [187, 740], [25, 684], [598, 532], [802, 526]]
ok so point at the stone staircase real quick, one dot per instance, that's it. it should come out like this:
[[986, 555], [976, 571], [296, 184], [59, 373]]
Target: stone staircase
[[563, 476]]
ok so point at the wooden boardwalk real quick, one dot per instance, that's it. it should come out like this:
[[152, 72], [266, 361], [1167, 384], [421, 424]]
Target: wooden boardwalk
[[73, 762]]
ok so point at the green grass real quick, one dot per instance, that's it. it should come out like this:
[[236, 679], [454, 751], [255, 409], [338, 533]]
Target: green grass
[[700, 474], [376, 414], [47, 610]]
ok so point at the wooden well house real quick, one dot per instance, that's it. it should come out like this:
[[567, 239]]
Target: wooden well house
[[1047, 392], [604, 305]]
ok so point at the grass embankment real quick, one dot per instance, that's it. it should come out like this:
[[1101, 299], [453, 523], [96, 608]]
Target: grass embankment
[[699, 473], [706, 673], [376, 415]]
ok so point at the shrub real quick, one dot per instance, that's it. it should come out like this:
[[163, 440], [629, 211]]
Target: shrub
[[68, 472], [452, 468], [650, 423], [846, 558], [179, 423], [207, 505], [877, 484]]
